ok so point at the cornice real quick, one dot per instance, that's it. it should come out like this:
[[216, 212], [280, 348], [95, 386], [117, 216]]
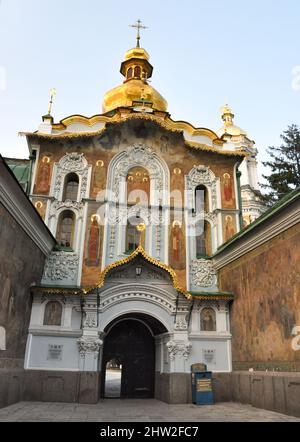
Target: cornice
[[61, 333], [162, 119]]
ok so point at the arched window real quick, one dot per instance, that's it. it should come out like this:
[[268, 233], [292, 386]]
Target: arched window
[[138, 186], [133, 236], [137, 72], [53, 313], [203, 240], [129, 73], [208, 320], [201, 200], [71, 187], [65, 231]]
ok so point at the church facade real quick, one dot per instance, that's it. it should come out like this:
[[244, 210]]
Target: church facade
[[138, 204]]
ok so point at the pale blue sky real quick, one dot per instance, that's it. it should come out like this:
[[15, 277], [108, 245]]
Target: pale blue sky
[[204, 53]]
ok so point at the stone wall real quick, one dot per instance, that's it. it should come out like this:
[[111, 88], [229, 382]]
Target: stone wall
[[68, 387], [44, 386], [277, 392], [173, 388], [21, 264], [266, 283]]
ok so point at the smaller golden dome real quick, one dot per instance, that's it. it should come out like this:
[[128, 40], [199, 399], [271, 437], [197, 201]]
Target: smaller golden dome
[[137, 53], [229, 127]]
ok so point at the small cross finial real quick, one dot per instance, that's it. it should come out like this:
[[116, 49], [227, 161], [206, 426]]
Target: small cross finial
[[52, 95], [138, 26]]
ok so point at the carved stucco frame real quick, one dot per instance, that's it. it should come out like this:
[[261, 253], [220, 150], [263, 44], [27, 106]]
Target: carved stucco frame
[[144, 156]]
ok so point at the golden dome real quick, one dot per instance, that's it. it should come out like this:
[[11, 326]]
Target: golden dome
[[229, 127], [135, 90]]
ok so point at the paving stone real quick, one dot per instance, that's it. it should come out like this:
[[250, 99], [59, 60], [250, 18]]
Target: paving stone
[[137, 411]]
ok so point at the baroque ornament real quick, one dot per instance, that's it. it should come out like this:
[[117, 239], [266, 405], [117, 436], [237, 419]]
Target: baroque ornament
[[91, 320], [61, 265], [201, 175], [181, 324], [200, 305], [57, 205], [210, 217], [138, 155], [153, 297], [71, 163], [203, 273], [89, 346], [179, 349]]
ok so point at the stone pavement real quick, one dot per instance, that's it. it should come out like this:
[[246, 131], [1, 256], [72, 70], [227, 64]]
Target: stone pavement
[[116, 410]]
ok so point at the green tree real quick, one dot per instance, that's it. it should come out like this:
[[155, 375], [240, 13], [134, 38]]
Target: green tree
[[284, 165]]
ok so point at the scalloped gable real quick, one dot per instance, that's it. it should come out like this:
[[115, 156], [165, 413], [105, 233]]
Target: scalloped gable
[[141, 252]]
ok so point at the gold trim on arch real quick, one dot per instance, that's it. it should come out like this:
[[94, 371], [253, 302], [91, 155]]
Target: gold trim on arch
[[140, 251]]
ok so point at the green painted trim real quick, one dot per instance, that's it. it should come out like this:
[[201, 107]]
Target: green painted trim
[[204, 257], [212, 294], [63, 249], [280, 205]]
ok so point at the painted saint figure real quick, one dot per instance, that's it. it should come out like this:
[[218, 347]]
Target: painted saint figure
[[99, 177], [227, 190], [208, 320], [44, 175], [230, 230], [177, 242], [53, 314], [94, 242]]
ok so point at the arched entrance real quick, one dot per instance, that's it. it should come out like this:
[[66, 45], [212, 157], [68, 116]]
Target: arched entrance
[[130, 340]]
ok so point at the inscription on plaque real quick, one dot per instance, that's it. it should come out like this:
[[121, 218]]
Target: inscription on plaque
[[55, 352], [209, 357]]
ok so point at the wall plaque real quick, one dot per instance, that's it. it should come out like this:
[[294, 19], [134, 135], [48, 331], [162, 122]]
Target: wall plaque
[[55, 352], [209, 357]]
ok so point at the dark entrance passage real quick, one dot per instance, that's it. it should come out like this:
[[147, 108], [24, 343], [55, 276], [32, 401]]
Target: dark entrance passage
[[130, 341]]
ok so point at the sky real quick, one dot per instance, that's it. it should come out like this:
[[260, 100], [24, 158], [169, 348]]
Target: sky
[[204, 53]]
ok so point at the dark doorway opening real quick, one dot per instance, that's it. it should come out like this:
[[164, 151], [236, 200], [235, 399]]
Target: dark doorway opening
[[130, 341]]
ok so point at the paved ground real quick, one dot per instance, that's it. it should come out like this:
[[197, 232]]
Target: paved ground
[[115, 410]]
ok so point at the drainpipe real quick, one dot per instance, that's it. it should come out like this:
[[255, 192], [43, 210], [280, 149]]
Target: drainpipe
[[32, 159], [238, 178], [177, 305], [191, 312]]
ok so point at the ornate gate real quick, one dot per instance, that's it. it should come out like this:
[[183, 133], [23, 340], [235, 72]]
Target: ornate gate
[[132, 344]]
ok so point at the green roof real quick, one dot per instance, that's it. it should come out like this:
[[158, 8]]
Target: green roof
[[286, 201], [21, 170]]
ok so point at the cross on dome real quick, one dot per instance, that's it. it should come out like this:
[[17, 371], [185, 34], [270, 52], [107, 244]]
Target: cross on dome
[[139, 27]]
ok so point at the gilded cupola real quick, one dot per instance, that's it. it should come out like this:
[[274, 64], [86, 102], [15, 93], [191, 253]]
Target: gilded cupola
[[135, 89], [229, 128]]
